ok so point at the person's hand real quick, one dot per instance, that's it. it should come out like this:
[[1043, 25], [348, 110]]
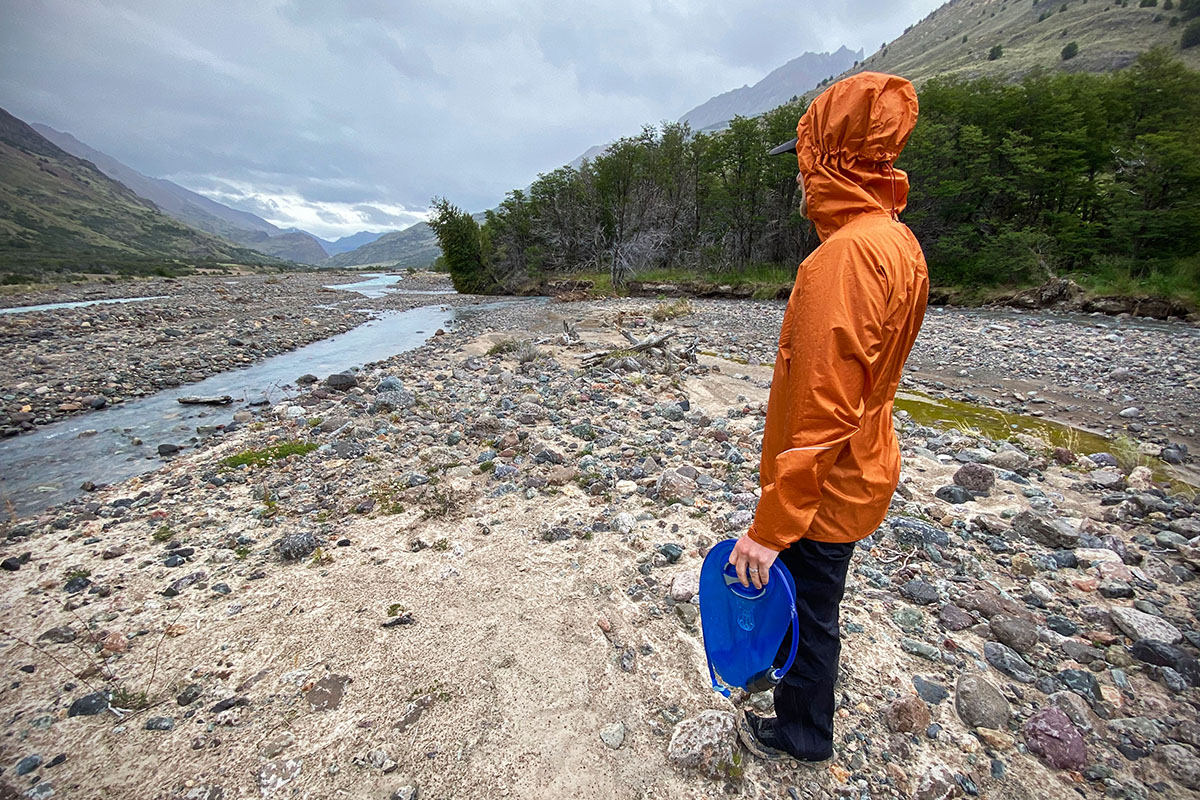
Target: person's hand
[[753, 561]]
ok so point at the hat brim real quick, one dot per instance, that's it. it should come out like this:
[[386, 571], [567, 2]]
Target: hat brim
[[786, 147]]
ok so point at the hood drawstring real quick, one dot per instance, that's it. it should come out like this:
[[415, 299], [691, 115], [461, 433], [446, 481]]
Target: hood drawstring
[[892, 181]]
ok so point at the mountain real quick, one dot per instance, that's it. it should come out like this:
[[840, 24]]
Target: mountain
[[959, 38], [348, 243], [196, 210], [794, 78], [415, 246], [57, 209]]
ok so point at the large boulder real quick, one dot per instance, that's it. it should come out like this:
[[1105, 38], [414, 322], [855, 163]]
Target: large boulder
[[1140, 625]]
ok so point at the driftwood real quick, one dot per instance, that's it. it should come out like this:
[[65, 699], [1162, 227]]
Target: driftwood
[[651, 343], [222, 400]]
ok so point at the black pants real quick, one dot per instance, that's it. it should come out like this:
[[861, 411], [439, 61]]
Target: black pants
[[804, 701]]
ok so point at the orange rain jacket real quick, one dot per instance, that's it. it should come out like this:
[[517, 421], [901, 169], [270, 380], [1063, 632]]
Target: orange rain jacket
[[830, 459]]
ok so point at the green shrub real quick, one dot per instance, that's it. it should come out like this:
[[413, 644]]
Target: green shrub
[[1191, 35], [1148, 4], [995, 52], [266, 455], [1070, 51]]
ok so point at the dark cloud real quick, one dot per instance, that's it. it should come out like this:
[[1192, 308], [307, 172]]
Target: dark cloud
[[348, 114]]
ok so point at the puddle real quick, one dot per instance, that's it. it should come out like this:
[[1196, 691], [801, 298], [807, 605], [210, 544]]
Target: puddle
[[995, 424], [78, 304]]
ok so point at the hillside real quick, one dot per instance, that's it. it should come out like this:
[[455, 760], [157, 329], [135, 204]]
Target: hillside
[[415, 246], [781, 85], [347, 243], [196, 210], [57, 209], [958, 38]]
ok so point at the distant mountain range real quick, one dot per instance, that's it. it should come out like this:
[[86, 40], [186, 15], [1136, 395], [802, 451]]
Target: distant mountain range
[[348, 243], [793, 79], [57, 209], [415, 246]]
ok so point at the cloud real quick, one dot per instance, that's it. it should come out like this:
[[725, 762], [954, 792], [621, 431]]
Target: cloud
[[319, 107]]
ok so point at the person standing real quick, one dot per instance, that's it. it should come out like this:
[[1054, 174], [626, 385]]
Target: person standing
[[830, 458]]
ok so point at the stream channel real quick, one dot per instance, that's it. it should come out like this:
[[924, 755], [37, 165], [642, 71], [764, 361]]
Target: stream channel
[[48, 466]]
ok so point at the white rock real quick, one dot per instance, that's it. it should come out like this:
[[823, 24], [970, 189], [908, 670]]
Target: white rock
[[1138, 625], [685, 586]]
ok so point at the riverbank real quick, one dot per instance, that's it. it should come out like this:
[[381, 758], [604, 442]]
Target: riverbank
[[473, 577], [1059, 294], [64, 362]]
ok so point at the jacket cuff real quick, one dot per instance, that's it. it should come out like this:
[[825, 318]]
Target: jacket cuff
[[768, 543]]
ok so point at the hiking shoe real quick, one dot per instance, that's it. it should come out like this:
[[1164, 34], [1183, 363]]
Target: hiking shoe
[[761, 738]]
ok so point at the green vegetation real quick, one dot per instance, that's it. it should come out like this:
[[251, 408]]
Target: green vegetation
[[163, 534], [1092, 176], [996, 52], [463, 248], [262, 457], [1070, 51]]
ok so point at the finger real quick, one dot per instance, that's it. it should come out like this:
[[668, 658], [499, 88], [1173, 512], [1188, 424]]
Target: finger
[[741, 570], [754, 577], [764, 574]]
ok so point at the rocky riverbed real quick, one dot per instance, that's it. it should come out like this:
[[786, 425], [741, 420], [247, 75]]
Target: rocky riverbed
[[63, 362], [470, 570]]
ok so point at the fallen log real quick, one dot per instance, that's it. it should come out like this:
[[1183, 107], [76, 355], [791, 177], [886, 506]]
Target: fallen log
[[222, 400]]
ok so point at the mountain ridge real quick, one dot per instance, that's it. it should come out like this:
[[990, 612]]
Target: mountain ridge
[[58, 210]]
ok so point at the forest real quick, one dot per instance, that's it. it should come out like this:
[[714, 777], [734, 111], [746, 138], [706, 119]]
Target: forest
[[1095, 177]]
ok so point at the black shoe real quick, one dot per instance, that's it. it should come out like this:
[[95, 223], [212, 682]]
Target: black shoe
[[763, 740]]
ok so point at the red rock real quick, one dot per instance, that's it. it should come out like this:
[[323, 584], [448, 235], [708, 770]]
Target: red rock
[[1050, 734]]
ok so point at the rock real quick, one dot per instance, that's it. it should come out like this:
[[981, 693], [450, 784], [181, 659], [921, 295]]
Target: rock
[[929, 691], [685, 586], [1019, 634], [1050, 734], [1012, 460], [919, 592], [705, 744], [60, 635], [1008, 662], [326, 694], [908, 713], [613, 735], [28, 764], [394, 400], [341, 381], [673, 487], [1076, 709], [405, 793], [954, 618], [1139, 625], [955, 495], [1161, 654], [160, 724], [178, 586], [167, 449], [937, 783], [190, 694], [274, 775], [671, 552], [1080, 682], [89, 705], [297, 545], [1052, 533], [277, 745], [997, 740], [979, 703], [975, 478], [1182, 764]]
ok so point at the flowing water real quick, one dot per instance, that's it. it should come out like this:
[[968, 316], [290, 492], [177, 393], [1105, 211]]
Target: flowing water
[[77, 304], [48, 466]]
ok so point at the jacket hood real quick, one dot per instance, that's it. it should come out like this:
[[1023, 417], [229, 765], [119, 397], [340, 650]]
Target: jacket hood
[[846, 143]]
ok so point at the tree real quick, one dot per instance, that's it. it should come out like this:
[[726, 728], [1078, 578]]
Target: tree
[[995, 52], [462, 246], [1070, 51]]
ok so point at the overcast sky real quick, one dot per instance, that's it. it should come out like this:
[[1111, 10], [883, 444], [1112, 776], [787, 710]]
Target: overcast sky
[[337, 117]]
